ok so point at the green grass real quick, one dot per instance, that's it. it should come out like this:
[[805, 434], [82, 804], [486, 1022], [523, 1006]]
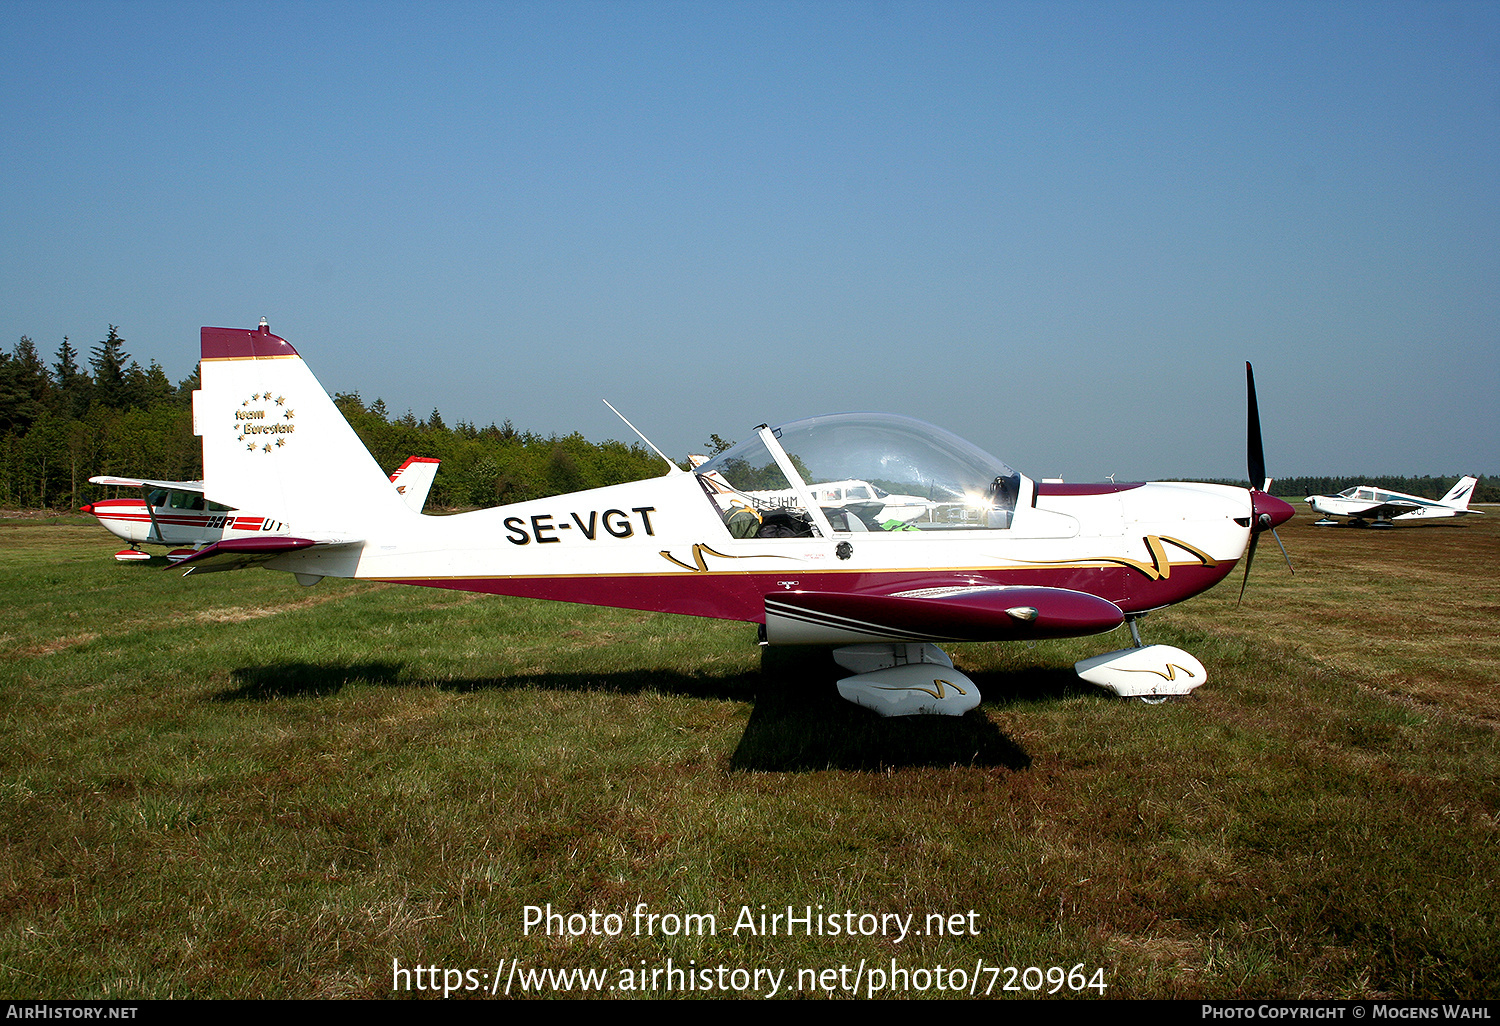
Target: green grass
[[231, 786]]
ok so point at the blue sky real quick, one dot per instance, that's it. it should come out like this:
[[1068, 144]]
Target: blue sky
[[1057, 229]]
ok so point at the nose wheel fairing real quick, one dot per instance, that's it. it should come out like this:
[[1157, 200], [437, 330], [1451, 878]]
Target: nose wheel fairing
[[1152, 673]]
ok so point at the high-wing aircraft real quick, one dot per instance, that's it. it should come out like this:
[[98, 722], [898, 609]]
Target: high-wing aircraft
[[860, 498], [1366, 506], [177, 513], [1002, 558]]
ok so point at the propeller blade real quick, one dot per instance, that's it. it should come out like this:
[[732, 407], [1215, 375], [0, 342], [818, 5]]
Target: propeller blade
[[1249, 558], [1255, 454], [1265, 510], [1284, 554]]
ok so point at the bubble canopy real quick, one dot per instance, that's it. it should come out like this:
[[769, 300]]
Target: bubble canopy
[[919, 474]]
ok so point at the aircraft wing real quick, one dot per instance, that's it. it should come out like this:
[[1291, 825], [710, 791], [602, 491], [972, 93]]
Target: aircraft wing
[[141, 482], [240, 553], [952, 612], [1386, 510], [413, 479]]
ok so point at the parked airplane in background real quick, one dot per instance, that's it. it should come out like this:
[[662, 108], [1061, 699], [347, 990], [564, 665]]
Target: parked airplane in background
[[1021, 561], [177, 513], [1375, 507], [874, 506]]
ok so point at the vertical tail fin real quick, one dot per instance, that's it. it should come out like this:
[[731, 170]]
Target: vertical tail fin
[[1460, 494], [413, 479], [273, 440]]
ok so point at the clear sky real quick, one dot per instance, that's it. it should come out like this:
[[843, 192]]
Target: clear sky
[[1056, 229]]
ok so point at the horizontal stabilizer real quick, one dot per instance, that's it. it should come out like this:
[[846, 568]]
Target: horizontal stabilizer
[[239, 553], [960, 613]]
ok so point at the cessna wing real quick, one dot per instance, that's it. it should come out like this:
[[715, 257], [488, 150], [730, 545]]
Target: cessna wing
[[413, 481], [179, 513], [146, 482]]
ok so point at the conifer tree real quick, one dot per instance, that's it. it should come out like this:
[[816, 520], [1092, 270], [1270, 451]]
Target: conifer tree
[[25, 387], [109, 363], [73, 384]]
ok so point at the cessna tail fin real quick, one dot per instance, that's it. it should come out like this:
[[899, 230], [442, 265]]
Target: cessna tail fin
[[413, 479], [273, 440]]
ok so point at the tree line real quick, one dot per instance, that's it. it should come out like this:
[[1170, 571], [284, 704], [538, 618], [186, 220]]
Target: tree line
[[76, 417], [62, 422]]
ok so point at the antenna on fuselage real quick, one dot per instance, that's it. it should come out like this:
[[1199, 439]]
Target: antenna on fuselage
[[642, 437]]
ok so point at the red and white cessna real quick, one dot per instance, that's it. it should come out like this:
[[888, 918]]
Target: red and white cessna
[[998, 558], [176, 512]]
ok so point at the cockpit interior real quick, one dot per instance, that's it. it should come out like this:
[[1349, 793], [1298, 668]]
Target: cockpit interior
[[858, 473]]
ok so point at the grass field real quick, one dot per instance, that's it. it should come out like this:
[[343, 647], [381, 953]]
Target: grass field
[[231, 786]]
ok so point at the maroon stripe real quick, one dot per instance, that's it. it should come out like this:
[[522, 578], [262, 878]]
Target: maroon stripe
[[1100, 488], [161, 518], [240, 344], [742, 596]]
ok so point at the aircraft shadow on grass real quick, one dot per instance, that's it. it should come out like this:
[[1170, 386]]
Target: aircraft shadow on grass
[[803, 732], [301, 680], [297, 679], [798, 722]]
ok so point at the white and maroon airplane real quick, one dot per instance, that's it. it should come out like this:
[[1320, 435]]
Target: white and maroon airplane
[[1003, 558], [177, 513]]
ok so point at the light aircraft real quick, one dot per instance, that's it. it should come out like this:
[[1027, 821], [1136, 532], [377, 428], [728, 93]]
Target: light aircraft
[[177, 513], [1367, 506], [1022, 561]]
